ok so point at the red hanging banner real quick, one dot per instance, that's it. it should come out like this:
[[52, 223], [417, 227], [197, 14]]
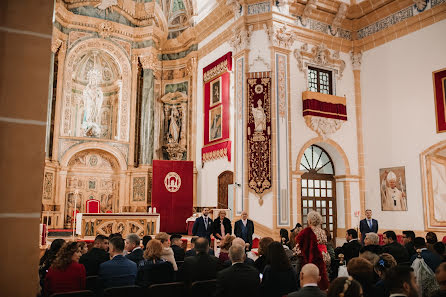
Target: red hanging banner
[[439, 78], [172, 193]]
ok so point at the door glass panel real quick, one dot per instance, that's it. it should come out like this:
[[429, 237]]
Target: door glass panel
[[329, 193], [324, 203], [311, 192], [310, 203], [318, 203], [317, 193], [310, 183], [304, 203], [316, 184], [324, 211], [328, 184], [323, 193], [304, 192], [323, 184], [304, 183]]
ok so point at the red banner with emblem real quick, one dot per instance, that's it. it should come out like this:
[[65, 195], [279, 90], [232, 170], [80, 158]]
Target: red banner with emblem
[[172, 193]]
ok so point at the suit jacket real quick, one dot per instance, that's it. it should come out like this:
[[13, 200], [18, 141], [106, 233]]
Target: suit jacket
[[226, 224], [136, 256], [278, 283], [351, 249], [238, 230], [178, 253], [117, 272], [239, 280], [374, 248], [398, 251], [310, 291], [432, 260], [247, 261], [93, 259], [410, 249], [200, 230], [154, 272], [198, 268], [364, 228], [192, 252]]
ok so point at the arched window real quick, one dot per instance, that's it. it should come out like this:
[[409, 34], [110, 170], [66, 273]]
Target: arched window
[[318, 191]]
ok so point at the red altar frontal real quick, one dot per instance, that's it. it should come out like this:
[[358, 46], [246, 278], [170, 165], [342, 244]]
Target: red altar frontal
[[172, 193]]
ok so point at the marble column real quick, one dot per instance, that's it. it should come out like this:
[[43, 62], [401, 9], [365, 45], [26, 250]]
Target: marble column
[[146, 116]]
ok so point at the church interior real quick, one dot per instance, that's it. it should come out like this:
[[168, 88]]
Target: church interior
[[133, 116]]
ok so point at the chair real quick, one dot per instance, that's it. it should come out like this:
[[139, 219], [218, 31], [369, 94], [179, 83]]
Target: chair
[[167, 290], [83, 293], [92, 283], [179, 264], [124, 291], [203, 288]]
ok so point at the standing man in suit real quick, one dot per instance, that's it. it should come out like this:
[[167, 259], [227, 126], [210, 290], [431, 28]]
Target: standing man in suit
[[222, 225], [203, 226], [368, 225], [309, 277], [132, 246], [244, 229], [119, 271], [239, 280]]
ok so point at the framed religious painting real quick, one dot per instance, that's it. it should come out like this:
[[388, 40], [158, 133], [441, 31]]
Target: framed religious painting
[[215, 90], [439, 80], [215, 121], [393, 188]]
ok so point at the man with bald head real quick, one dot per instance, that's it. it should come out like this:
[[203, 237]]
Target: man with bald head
[[244, 228], [309, 277]]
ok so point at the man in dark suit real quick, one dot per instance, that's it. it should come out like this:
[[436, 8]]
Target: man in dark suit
[[193, 252], [394, 248], [431, 259], [203, 226], [200, 267], [239, 280], [96, 256], [309, 277], [222, 225], [132, 246], [244, 229], [176, 245], [351, 248], [119, 271], [408, 240], [368, 225], [240, 242]]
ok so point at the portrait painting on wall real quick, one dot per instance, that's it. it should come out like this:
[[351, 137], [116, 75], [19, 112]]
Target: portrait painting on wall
[[393, 188], [215, 91], [215, 119], [439, 79]]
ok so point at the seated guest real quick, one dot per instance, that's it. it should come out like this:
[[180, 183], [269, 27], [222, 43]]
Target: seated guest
[[222, 225], [192, 251], [133, 248], [400, 280], [384, 263], [167, 253], [48, 258], [240, 242], [114, 235], [96, 256], [119, 271], [145, 240], [440, 275], [84, 247], [279, 278], [344, 287], [362, 271], [200, 267], [369, 256], [309, 277], [153, 269], [408, 239], [439, 249], [66, 274], [176, 245], [225, 244], [431, 239], [351, 248], [431, 259], [260, 263], [239, 280], [394, 248], [371, 244]]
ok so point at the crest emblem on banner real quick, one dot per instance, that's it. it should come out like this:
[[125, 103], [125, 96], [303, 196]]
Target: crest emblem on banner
[[172, 182]]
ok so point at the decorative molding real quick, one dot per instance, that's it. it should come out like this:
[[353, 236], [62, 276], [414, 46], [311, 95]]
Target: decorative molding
[[241, 38], [420, 5], [311, 5], [236, 7], [55, 45], [106, 4], [149, 62], [281, 37], [258, 8], [340, 16], [259, 60], [324, 127], [105, 29], [356, 60]]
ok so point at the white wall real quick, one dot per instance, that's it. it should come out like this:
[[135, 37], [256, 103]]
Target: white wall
[[399, 116]]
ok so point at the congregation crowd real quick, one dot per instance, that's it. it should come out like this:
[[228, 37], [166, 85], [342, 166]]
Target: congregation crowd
[[305, 262]]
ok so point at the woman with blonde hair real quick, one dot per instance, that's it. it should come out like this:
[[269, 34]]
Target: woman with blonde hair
[[65, 273], [225, 244], [167, 253], [311, 247], [153, 269]]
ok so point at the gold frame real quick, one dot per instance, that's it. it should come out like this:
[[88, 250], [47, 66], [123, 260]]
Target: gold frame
[[211, 86]]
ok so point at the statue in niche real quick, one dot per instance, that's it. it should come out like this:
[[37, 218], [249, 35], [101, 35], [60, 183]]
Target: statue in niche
[[174, 131], [92, 97], [259, 117], [174, 128]]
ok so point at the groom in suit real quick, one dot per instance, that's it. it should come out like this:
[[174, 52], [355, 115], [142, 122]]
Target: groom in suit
[[368, 225], [203, 226]]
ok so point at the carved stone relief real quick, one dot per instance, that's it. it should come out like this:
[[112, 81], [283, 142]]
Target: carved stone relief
[[139, 188], [48, 184], [241, 38], [324, 127], [340, 16], [280, 36]]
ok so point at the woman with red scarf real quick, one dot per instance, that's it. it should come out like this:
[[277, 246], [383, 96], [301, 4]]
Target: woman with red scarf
[[311, 247]]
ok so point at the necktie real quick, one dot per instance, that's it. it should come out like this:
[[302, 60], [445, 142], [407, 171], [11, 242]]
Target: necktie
[[206, 223], [370, 224]]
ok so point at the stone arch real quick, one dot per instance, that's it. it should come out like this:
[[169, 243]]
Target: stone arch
[[123, 63]]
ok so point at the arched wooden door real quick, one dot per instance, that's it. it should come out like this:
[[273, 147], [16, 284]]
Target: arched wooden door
[[224, 179]]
